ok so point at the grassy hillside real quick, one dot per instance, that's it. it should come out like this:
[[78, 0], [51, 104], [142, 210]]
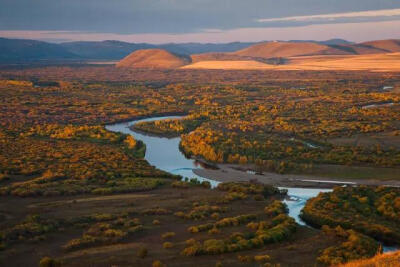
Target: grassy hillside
[[153, 58]]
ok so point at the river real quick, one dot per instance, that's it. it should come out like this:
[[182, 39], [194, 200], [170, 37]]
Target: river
[[164, 154]]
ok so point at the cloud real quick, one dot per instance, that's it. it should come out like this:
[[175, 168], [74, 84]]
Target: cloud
[[360, 31], [383, 13]]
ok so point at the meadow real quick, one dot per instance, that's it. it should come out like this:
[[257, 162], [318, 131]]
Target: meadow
[[74, 194]]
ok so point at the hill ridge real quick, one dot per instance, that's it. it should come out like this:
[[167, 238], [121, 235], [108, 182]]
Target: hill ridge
[[153, 58]]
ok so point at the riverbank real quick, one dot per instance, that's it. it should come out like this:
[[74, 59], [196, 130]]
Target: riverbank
[[164, 153], [232, 173], [148, 116]]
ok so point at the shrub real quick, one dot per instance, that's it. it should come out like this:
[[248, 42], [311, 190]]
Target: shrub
[[224, 222], [193, 249], [193, 229], [85, 241], [168, 235], [214, 231], [214, 246], [276, 208], [190, 241], [168, 245], [355, 246], [262, 258], [200, 212], [252, 225], [374, 207]]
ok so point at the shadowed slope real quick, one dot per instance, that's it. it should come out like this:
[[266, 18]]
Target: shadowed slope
[[390, 46]]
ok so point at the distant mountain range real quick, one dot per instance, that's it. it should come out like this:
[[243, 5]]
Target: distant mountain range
[[261, 55], [15, 50], [21, 50]]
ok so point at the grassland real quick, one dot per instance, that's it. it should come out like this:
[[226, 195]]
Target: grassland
[[141, 228], [379, 62], [74, 192]]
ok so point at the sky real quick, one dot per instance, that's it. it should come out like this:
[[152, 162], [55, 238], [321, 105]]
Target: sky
[[216, 21]]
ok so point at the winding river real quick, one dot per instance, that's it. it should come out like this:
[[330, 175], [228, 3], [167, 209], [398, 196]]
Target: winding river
[[164, 154]]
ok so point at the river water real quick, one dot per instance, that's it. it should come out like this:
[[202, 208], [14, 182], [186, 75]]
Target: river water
[[164, 154]]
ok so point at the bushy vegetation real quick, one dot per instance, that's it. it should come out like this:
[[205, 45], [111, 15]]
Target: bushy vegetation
[[274, 125], [199, 212], [172, 127], [355, 246], [275, 229], [373, 211], [106, 233], [98, 161], [53, 143], [251, 188], [186, 183], [381, 260], [225, 222], [33, 228], [276, 208]]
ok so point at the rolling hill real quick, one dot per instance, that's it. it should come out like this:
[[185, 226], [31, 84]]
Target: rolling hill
[[20, 50], [153, 58], [273, 53], [389, 46], [288, 49]]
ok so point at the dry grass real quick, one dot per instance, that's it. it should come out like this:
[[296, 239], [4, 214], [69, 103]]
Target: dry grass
[[382, 260], [287, 49], [152, 58], [375, 62], [229, 65]]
